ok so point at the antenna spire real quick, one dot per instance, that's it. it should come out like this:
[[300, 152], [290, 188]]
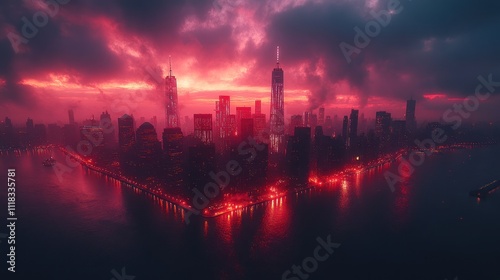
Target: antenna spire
[[170, 63], [278, 56]]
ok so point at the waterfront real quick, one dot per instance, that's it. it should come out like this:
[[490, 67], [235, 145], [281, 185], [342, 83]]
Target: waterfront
[[430, 228]]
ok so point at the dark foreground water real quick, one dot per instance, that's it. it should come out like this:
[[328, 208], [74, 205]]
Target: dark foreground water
[[87, 225]]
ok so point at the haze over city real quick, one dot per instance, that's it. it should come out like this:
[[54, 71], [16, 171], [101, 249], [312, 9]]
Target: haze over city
[[89, 53]]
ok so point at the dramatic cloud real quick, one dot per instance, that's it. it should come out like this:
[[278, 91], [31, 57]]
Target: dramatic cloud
[[88, 53]]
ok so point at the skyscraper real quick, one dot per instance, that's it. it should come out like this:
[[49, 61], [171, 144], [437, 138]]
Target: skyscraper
[[382, 123], [328, 126], [295, 121], [321, 116], [107, 126], [259, 121], [258, 107], [203, 127], [172, 110], [411, 122], [277, 115], [298, 155], [242, 113], [231, 125], [148, 150], [172, 151], [201, 162], [222, 112], [353, 126], [307, 118], [383, 127], [345, 130], [399, 133], [313, 121], [126, 133], [247, 129]]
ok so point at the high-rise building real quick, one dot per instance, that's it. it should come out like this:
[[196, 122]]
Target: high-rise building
[[295, 121], [126, 133], [154, 121], [201, 162], [93, 134], [172, 109], [109, 132], [313, 121], [148, 150], [382, 124], [298, 155], [7, 134], [321, 116], [253, 168], [71, 115], [29, 124], [307, 118], [203, 127], [259, 126], [383, 127], [328, 126], [172, 152], [399, 133], [222, 112], [231, 126], [411, 122], [362, 124], [345, 130], [337, 127], [259, 122], [242, 113], [277, 115], [247, 129], [353, 126], [258, 107]]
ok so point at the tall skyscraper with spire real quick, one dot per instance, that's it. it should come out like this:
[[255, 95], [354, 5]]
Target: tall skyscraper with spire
[[277, 116], [171, 102]]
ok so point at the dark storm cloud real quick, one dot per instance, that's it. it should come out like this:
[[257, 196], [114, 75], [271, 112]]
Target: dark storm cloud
[[462, 44], [430, 46], [70, 44]]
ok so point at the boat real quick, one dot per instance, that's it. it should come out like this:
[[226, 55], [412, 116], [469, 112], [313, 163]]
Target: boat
[[486, 189], [49, 162]]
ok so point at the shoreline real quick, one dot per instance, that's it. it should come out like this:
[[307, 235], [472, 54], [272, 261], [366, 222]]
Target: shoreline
[[313, 182]]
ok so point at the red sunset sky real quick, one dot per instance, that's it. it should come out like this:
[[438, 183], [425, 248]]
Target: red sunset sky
[[92, 53]]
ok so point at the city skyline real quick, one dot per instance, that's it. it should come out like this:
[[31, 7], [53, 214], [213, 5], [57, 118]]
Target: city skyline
[[317, 72]]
